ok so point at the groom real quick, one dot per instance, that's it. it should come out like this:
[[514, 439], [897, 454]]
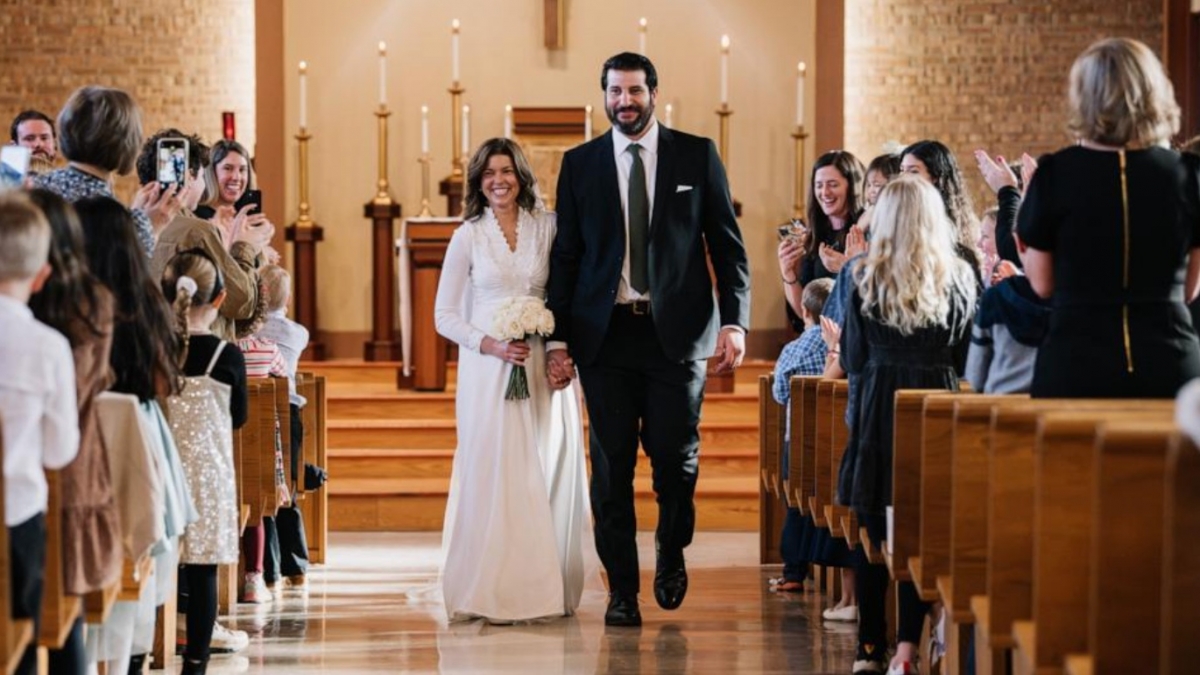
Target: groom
[[641, 211]]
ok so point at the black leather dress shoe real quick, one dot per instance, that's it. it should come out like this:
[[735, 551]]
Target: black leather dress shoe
[[622, 610], [670, 579]]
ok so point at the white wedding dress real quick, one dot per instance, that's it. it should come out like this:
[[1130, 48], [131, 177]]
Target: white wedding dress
[[517, 539]]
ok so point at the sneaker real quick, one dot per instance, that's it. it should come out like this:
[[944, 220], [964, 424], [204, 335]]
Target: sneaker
[[903, 668], [254, 590], [849, 613], [867, 667], [226, 640]]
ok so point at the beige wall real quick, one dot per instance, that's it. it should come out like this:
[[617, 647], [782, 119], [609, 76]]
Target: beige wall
[[184, 61], [504, 62]]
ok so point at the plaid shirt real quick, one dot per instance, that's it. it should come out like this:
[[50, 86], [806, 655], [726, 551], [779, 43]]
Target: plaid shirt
[[803, 356]]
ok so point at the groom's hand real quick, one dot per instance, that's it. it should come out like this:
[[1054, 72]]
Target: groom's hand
[[731, 347], [560, 368]]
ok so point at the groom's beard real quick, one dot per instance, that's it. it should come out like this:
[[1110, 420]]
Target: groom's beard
[[638, 125]]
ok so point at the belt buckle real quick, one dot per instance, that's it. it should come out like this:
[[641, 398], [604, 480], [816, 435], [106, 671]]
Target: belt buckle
[[640, 307]]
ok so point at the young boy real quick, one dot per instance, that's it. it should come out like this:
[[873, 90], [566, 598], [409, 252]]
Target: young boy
[[1009, 326], [291, 338], [38, 410], [803, 356]]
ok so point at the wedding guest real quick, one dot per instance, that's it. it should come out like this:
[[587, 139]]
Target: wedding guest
[[911, 305], [34, 129], [880, 172], [933, 161], [100, 133], [228, 176], [38, 407], [236, 246], [1112, 230], [78, 306], [1008, 181]]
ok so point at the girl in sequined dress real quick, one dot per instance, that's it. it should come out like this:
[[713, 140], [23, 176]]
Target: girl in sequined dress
[[204, 414]]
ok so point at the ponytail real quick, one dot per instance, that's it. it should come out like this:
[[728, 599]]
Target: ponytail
[[185, 289]]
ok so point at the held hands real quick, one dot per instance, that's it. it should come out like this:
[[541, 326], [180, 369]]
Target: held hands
[[731, 348], [160, 205], [560, 369]]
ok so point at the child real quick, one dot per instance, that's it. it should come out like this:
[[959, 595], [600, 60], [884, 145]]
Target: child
[[291, 338], [38, 409], [803, 356], [1009, 326], [211, 405]]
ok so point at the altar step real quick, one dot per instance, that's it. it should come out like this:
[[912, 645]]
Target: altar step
[[395, 504]]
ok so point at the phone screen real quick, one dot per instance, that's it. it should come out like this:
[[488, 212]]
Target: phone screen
[[172, 161], [249, 197], [14, 164]]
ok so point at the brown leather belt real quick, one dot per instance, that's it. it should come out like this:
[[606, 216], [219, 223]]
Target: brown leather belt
[[636, 308]]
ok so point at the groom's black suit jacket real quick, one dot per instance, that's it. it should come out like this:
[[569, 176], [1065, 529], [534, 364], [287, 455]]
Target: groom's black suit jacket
[[692, 208]]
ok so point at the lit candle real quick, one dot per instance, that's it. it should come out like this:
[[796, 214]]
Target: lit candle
[[303, 94], [670, 115], [724, 69], [508, 121], [642, 36], [587, 123], [466, 128], [800, 94], [454, 26], [382, 74], [424, 130]]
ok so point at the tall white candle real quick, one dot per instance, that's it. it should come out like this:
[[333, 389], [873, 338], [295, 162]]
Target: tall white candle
[[303, 95], [642, 36], [670, 116], [724, 69], [508, 121], [382, 74], [424, 130], [466, 129], [454, 26], [800, 94], [587, 123]]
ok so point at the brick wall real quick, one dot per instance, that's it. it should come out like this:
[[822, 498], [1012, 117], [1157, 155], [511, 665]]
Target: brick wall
[[974, 73], [184, 61]]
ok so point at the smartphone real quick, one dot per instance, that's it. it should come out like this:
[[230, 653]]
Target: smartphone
[[794, 229], [249, 197], [172, 162], [14, 164]]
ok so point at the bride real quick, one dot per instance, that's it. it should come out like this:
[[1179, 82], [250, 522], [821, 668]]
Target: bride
[[518, 527]]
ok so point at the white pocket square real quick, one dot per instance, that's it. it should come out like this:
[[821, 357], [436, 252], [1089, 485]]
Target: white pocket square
[[683, 188]]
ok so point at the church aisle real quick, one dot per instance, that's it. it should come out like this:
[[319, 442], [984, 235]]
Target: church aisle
[[373, 609]]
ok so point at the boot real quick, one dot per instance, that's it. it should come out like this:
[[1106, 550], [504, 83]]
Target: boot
[[191, 667], [136, 662]]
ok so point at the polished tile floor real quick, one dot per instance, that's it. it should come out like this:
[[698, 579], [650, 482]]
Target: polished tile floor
[[374, 609]]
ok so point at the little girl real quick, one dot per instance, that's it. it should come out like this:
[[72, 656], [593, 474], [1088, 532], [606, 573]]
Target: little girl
[[204, 414]]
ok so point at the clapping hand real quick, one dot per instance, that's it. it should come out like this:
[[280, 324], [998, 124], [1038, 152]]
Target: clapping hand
[[560, 369], [831, 258], [995, 171], [831, 333], [856, 240], [1028, 168], [1003, 270]]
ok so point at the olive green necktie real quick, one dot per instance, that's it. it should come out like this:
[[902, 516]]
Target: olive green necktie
[[639, 224]]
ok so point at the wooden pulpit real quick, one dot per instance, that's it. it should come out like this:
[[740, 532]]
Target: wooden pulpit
[[425, 241]]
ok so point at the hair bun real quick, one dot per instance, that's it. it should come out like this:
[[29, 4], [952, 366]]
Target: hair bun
[[186, 284]]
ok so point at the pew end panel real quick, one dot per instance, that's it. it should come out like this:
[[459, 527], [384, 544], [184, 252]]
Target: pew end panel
[[906, 493], [1181, 560]]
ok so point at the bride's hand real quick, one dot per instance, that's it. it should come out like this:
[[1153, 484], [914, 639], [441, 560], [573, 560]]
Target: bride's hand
[[514, 352]]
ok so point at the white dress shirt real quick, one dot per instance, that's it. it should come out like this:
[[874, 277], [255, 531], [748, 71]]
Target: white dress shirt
[[624, 157], [38, 408]]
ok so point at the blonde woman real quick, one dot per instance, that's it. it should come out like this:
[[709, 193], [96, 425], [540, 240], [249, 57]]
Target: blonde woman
[[906, 327], [1113, 226]]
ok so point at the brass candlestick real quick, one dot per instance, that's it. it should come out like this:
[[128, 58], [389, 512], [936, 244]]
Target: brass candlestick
[[800, 135], [383, 195], [424, 160], [303, 220], [723, 138], [457, 162]]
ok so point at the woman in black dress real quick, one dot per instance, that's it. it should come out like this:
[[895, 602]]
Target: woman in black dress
[[1113, 226], [909, 313]]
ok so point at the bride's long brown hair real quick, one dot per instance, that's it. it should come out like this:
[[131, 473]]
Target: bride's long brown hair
[[475, 202]]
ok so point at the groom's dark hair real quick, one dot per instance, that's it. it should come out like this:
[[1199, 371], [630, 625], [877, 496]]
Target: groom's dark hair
[[629, 61]]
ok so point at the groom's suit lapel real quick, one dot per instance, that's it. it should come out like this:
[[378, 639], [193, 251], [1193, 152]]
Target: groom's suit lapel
[[610, 191], [664, 179]]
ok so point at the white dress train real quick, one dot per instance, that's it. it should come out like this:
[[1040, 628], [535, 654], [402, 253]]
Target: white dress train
[[517, 539]]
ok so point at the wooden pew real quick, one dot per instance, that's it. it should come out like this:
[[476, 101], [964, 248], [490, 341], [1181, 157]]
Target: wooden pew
[[316, 505], [770, 506], [59, 610], [1181, 560], [1065, 504], [803, 409], [906, 494], [846, 524], [823, 434], [15, 634]]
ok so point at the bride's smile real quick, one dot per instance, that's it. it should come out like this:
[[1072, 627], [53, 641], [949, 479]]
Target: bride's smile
[[500, 183]]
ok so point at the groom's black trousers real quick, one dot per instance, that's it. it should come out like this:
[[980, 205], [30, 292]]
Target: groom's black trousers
[[635, 392]]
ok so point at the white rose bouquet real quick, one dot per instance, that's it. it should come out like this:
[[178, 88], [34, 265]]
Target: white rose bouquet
[[515, 319]]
